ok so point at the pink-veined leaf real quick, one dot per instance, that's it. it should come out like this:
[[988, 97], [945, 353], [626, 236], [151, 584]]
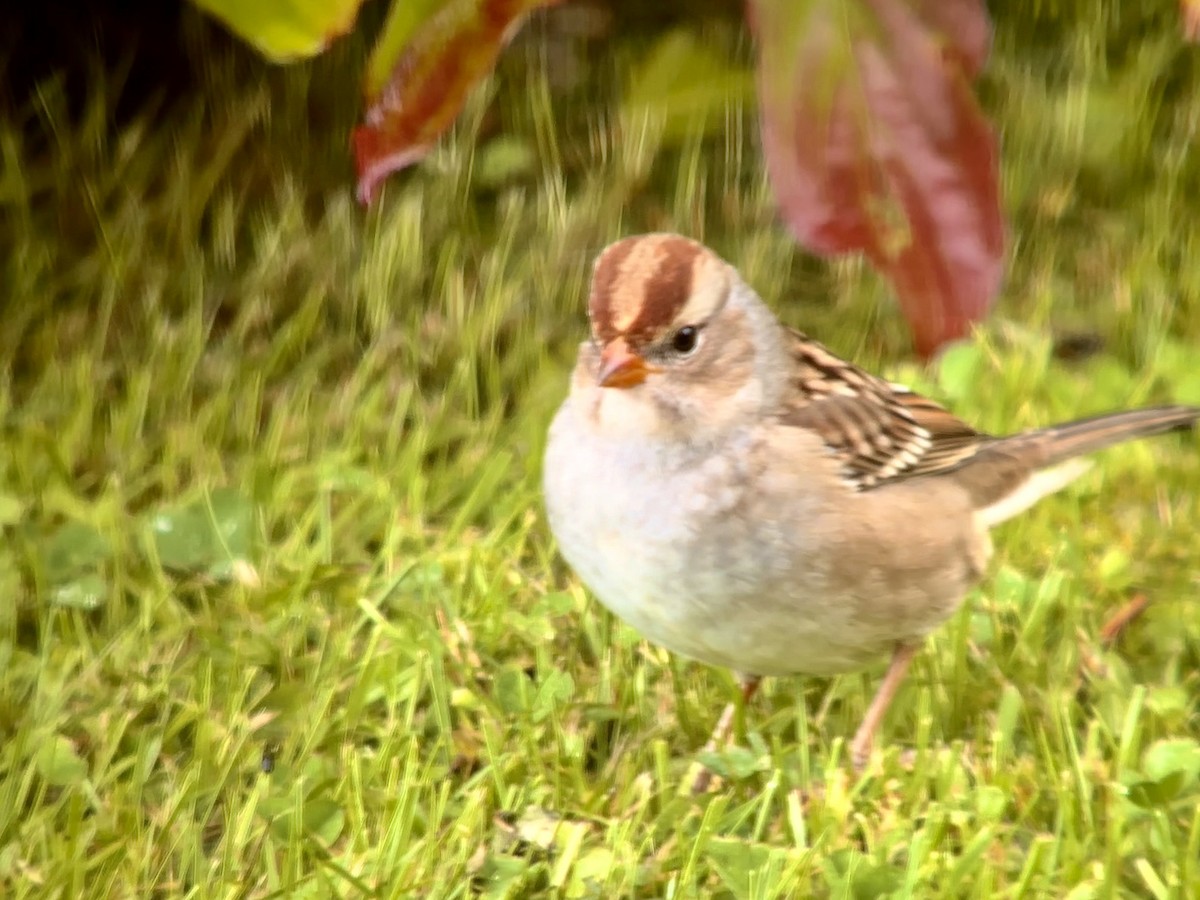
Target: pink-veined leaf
[[874, 142], [285, 30], [446, 55], [403, 19]]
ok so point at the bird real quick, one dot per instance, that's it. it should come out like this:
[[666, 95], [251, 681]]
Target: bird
[[743, 497]]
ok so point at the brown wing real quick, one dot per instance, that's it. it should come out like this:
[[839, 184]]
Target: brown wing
[[881, 431]]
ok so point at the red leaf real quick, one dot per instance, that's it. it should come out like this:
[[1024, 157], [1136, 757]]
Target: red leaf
[[964, 28], [874, 142], [451, 52]]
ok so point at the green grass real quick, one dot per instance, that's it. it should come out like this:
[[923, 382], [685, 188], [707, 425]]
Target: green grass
[[269, 487]]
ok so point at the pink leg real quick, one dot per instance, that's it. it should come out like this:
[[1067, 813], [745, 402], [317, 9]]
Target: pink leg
[[864, 738], [720, 734]]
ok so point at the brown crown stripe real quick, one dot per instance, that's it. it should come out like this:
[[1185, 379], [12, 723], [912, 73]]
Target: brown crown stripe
[[640, 285], [604, 278], [667, 289]]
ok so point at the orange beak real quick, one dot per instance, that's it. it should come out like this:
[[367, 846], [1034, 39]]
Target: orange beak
[[620, 367]]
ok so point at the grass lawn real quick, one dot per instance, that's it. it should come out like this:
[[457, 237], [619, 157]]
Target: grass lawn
[[279, 611]]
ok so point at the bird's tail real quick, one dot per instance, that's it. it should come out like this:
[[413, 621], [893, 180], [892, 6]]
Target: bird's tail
[[1058, 443], [1036, 463]]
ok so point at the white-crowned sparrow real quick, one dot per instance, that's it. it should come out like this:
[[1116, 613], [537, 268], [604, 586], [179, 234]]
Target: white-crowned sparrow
[[743, 497]]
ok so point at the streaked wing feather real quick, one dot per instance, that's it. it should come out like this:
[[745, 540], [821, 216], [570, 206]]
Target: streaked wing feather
[[880, 431]]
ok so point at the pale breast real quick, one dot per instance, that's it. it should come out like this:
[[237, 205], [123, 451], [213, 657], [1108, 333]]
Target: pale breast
[[720, 558]]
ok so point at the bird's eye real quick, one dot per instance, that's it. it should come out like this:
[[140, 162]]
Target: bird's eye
[[684, 340]]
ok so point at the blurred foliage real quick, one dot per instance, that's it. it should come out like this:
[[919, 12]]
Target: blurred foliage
[[286, 30], [1095, 104]]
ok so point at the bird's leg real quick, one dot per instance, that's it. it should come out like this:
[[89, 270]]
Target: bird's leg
[[701, 778], [733, 712], [864, 738]]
